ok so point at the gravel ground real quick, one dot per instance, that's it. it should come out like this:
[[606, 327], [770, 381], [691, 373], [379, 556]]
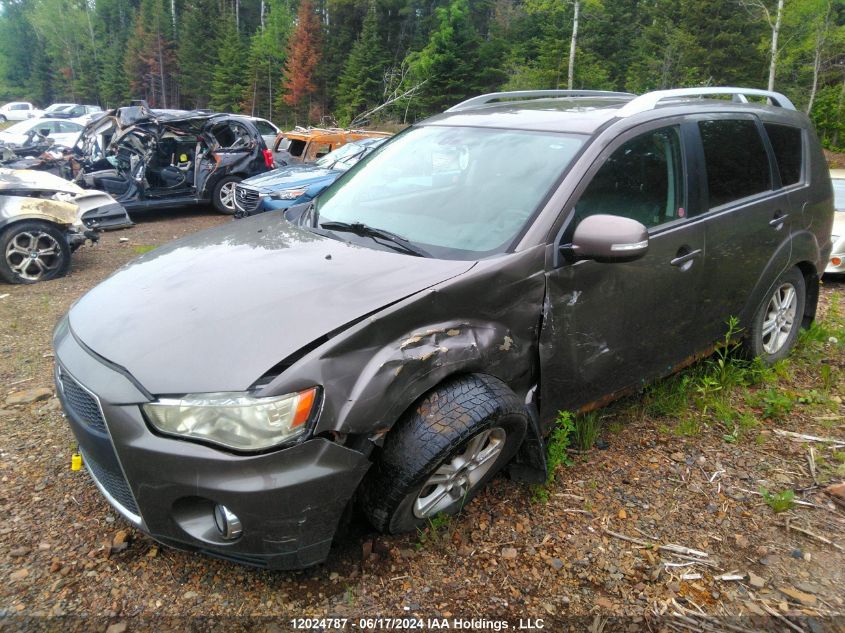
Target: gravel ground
[[69, 562]]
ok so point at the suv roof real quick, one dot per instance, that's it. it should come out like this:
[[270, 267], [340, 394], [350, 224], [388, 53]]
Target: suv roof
[[585, 111]]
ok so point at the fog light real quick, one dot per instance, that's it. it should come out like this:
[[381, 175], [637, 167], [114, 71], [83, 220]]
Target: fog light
[[227, 522]]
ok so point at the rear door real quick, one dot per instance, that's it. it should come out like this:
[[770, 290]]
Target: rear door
[[613, 326], [747, 216]]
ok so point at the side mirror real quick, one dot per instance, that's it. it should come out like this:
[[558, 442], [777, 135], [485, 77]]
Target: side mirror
[[44, 131], [609, 238]]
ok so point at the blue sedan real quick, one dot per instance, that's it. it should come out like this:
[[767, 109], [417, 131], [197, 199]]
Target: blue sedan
[[295, 184]]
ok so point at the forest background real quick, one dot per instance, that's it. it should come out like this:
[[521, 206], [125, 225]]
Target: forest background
[[377, 61]]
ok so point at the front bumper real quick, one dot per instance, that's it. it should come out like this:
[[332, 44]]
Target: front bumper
[[289, 501]]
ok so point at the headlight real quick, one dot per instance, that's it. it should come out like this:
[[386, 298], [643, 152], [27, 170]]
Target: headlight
[[235, 420], [288, 194]]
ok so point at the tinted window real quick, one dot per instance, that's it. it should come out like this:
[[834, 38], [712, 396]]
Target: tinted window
[[737, 162], [20, 106], [839, 193], [786, 142], [642, 180]]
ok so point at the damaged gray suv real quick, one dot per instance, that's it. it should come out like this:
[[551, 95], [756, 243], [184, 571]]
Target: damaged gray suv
[[416, 329]]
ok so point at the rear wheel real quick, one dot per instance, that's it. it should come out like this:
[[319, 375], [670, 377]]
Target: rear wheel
[[224, 194], [33, 251], [443, 452], [777, 322], [2, 119]]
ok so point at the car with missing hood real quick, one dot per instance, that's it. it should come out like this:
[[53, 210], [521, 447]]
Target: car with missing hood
[[43, 219], [396, 342], [167, 158], [306, 145], [285, 187]]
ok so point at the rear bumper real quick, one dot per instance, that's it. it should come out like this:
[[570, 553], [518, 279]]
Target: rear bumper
[[288, 501]]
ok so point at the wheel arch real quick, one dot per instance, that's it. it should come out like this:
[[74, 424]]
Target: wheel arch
[[801, 250]]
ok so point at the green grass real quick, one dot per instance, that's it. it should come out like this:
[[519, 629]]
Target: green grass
[[587, 429], [437, 529], [559, 443], [143, 248]]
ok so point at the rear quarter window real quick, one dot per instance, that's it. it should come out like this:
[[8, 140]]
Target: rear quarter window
[[789, 151], [736, 160]]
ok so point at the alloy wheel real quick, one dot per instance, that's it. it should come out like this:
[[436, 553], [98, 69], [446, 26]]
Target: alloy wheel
[[33, 254], [779, 321], [227, 195], [454, 480]]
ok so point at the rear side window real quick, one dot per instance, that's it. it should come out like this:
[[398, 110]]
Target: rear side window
[[788, 148], [736, 159]]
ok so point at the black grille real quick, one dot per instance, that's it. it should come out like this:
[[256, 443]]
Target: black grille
[[82, 403], [113, 482], [246, 199]]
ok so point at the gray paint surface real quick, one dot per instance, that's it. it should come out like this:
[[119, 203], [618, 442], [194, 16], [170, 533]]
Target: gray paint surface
[[216, 310]]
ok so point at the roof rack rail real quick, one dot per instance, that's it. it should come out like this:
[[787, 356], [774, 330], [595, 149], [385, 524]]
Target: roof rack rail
[[476, 102], [650, 100]]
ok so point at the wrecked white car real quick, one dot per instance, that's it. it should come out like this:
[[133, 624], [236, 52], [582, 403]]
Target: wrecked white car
[[44, 218]]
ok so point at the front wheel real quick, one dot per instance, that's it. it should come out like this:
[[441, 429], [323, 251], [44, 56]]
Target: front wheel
[[443, 452], [2, 119], [33, 251], [777, 322], [224, 194]]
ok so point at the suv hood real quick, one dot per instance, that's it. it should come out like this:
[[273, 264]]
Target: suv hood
[[296, 175], [216, 310]]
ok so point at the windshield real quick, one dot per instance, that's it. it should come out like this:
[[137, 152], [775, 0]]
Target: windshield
[[342, 153], [838, 194], [59, 107], [457, 192]]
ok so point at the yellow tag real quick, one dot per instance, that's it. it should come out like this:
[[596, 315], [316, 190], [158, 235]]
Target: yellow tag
[[183, 158], [76, 461]]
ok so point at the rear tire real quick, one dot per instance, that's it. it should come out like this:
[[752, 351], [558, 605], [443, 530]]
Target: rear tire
[[777, 322], [223, 196], [443, 452], [2, 119], [33, 251]]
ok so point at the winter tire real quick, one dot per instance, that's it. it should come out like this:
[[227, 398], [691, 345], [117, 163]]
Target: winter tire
[[777, 322], [445, 449], [32, 251]]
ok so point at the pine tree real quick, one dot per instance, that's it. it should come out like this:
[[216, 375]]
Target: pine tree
[[197, 46], [266, 56], [361, 86], [227, 84], [447, 68], [149, 60], [301, 59]]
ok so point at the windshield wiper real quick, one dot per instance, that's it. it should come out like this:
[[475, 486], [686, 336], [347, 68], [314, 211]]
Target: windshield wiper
[[364, 230]]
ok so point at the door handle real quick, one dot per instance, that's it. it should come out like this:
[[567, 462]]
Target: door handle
[[685, 257], [778, 220]]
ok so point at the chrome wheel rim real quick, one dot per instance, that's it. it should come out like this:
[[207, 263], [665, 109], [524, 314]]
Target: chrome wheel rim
[[779, 321], [227, 195], [32, 255], [453, 480]]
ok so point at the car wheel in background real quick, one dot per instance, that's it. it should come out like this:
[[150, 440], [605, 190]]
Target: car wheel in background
[[443, 452], [2, 119], [33, 251], [776, 324], [224, 194]]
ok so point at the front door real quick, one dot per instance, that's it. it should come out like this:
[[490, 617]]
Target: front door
[[613, 326]]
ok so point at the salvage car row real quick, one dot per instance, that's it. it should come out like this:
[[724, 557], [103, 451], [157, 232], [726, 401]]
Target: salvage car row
[[134, 158]]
